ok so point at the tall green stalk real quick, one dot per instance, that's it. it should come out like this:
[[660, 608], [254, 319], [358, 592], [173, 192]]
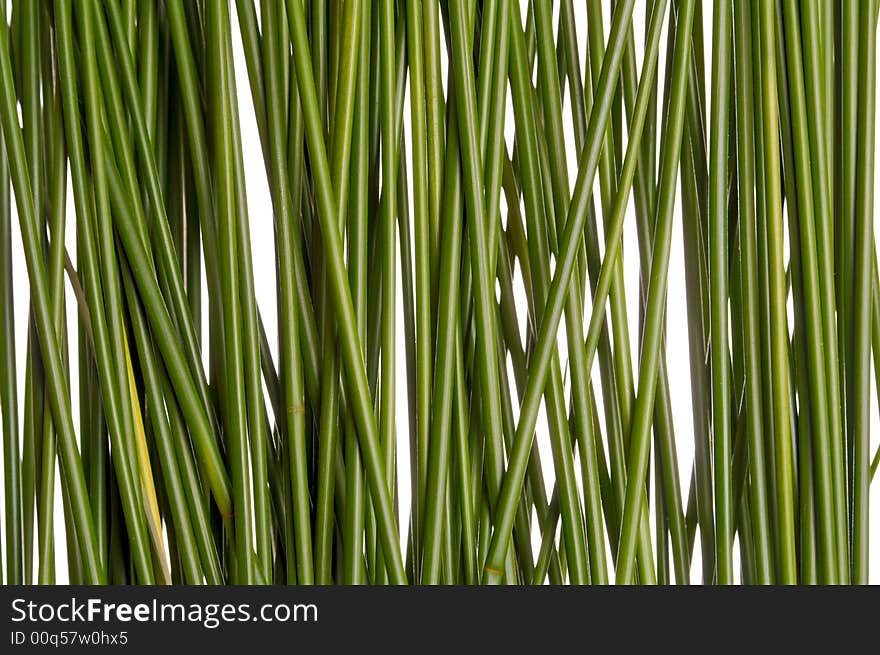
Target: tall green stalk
[[56, 383]]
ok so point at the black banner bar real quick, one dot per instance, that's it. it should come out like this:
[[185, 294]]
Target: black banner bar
[[457, 620]]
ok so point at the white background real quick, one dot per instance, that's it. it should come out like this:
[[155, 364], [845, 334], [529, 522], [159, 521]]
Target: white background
[[262, 241]]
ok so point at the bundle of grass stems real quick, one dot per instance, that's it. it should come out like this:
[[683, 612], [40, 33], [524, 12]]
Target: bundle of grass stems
[[475, 164]]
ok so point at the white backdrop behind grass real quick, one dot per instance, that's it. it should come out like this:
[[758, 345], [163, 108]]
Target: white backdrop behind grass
[[262, 240]]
